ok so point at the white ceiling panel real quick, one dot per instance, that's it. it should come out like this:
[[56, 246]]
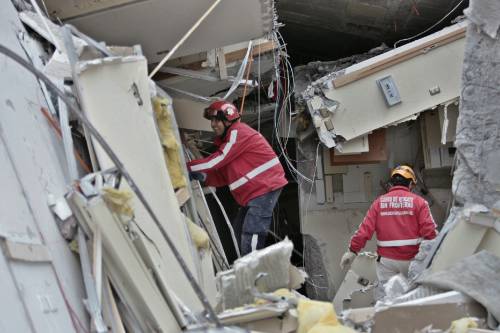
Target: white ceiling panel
[[157, 25]]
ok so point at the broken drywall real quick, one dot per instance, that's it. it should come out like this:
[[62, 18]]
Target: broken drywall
[[261, 271]]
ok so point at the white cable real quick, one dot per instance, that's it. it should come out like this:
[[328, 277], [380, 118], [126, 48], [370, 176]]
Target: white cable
[[312, 185], [231, 230], [283, 154], [431, 27]]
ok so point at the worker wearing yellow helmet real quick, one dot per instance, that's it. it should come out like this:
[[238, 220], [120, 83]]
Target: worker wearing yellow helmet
[[401, 220]]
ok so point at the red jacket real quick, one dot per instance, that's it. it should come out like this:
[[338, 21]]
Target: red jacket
[[245, 162], [401, 219]]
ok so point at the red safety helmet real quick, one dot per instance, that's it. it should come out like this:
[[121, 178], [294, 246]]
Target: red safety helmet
[[222, 110]]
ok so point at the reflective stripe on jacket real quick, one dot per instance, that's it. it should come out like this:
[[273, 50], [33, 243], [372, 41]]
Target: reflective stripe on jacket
[[401, 220], [245, 162]]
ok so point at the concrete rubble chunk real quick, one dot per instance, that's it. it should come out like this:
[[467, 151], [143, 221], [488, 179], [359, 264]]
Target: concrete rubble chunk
[[476, 276]]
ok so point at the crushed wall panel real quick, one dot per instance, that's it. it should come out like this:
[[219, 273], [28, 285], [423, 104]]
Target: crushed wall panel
[[433, 67], [115, 95]]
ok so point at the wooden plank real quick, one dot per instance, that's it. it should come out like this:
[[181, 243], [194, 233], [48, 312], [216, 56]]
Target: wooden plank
[[376, 153], [400, 57], [256, 51], [229, 57]]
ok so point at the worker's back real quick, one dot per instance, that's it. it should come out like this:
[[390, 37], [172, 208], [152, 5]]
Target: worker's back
[[402, 220]]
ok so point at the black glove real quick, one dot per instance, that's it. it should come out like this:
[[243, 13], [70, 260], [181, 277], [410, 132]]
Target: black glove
[[199, 176]]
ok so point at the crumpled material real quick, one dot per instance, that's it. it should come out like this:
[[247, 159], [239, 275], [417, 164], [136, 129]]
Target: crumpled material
[[169, 142], [395, 287], [198, 235], [319, 317], [119, 201]]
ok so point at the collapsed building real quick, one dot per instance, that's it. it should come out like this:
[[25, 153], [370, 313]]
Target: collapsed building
[[102, 230]]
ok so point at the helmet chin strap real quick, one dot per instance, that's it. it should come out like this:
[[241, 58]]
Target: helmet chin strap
[[226, 127]]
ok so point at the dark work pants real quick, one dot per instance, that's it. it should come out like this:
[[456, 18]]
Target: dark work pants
[[253, 222]]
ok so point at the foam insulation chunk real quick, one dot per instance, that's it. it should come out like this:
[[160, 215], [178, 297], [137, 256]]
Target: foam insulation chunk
[[168, 141], [462, 325], [313, 312], [119, 201], [198, 235], [319, 317]]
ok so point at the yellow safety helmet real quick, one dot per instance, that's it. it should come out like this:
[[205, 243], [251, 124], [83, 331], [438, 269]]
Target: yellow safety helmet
[[406, 172]]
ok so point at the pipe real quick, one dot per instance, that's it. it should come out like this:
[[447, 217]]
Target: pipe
[[183, 39]]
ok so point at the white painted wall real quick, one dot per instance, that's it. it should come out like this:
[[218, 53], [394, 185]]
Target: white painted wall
[[32, 167], [438, 67]]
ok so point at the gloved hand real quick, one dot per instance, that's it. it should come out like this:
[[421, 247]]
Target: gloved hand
[[347, 259], [199, 176]]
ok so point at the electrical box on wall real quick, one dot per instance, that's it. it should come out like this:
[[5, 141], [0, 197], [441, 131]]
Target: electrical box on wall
[[389, 90]]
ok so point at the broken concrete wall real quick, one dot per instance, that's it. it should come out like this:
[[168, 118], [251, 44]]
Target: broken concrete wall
[[476, 179], [477, 176]]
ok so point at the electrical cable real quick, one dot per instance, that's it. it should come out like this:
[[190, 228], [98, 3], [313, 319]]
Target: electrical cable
[[286, 99], [114, 158], [430, 28], [228, 223]]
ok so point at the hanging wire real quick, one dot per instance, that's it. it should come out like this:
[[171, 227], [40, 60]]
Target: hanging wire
[[430, 28], [284, 93]]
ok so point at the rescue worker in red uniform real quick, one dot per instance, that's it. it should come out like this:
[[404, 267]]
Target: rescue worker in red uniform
[[246, 163], [401, 220]]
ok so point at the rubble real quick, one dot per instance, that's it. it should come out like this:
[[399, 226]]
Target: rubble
[[151, 255]]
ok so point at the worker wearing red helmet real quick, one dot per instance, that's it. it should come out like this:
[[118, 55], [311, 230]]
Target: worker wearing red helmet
[[401, 220], [246, 163]]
